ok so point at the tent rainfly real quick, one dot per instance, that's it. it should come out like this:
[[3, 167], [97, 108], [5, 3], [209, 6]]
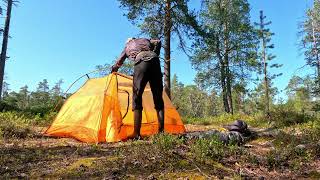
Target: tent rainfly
[[100, 111]]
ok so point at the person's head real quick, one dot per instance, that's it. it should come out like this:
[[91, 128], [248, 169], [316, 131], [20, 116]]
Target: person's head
[[129, 39]]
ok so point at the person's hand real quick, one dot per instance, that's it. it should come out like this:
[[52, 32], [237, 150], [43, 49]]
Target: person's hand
[[114, 68]]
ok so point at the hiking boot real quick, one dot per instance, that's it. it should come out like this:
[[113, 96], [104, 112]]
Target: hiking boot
[[137, 124], [160, 114]]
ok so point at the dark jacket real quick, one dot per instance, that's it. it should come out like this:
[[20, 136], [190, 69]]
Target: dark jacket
[[139, 49]]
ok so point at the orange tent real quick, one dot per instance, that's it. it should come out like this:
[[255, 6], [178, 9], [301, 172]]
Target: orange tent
[[100, 111]]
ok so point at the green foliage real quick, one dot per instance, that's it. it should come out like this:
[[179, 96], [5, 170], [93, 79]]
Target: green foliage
[[213, 148], [300, 91], [149, 16], [309, 41], [192, 101], [166, 141], [310, 132], [224, 119], [39, 103], [310, 35], [208, 148], [18, 124], [276, 159], [198, 120], [288, 152], [13, 125], [286, 115], [295, 147], [5, 106], [225, 52], [265, 35], [256, 102], [47, 118]]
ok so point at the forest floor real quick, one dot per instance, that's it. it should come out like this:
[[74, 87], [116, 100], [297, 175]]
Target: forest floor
[[285, 155]]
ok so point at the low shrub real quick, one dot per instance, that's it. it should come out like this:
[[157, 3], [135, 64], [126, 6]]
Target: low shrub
[[14, 125], [287, 157], [5, 106], [208, 148], [166, 141], [277, 159], [198, 120], [40, 110], [284, 139], [283, 116], [280, 116], [220, 119]]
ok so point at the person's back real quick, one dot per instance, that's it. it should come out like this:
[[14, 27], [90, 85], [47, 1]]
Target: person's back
[[135, 46], [139, 49]]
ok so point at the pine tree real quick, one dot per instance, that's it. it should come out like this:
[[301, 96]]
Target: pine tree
[[265, 56], [43, 86], [299, 91], [3, 56], [57, 90], [41, 97], [311, 40], [24, 98], [225, 50]]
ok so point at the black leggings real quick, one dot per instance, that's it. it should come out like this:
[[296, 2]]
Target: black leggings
[[144, 72]]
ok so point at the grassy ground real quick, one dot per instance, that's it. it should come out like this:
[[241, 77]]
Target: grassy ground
[[290, 152]]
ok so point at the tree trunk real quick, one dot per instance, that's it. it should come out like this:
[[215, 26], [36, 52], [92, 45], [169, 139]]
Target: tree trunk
[[317, 55], [241, 101], [224, 87], [266, 83], [265, 65], [227, 68], [167, 48], [3, 55], [229, 90], [222, 77]]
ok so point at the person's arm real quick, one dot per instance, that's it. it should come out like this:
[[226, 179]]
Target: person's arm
[[119, 61], [156, 46], [121, 58]]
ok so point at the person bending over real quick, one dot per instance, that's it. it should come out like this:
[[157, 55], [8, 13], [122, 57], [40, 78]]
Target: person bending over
[[145, 55]]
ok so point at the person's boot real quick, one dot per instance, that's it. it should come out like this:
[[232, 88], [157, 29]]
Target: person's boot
[[160, 114], [137, 124]]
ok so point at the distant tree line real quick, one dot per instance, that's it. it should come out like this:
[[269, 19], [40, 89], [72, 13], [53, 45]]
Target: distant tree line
[[39, 102], [193, 101]]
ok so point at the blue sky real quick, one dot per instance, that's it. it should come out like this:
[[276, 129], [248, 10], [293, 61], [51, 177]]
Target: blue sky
[[64, 39]]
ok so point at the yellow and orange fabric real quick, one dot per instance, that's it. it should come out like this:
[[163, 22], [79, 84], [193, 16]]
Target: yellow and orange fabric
[[100, 111]]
